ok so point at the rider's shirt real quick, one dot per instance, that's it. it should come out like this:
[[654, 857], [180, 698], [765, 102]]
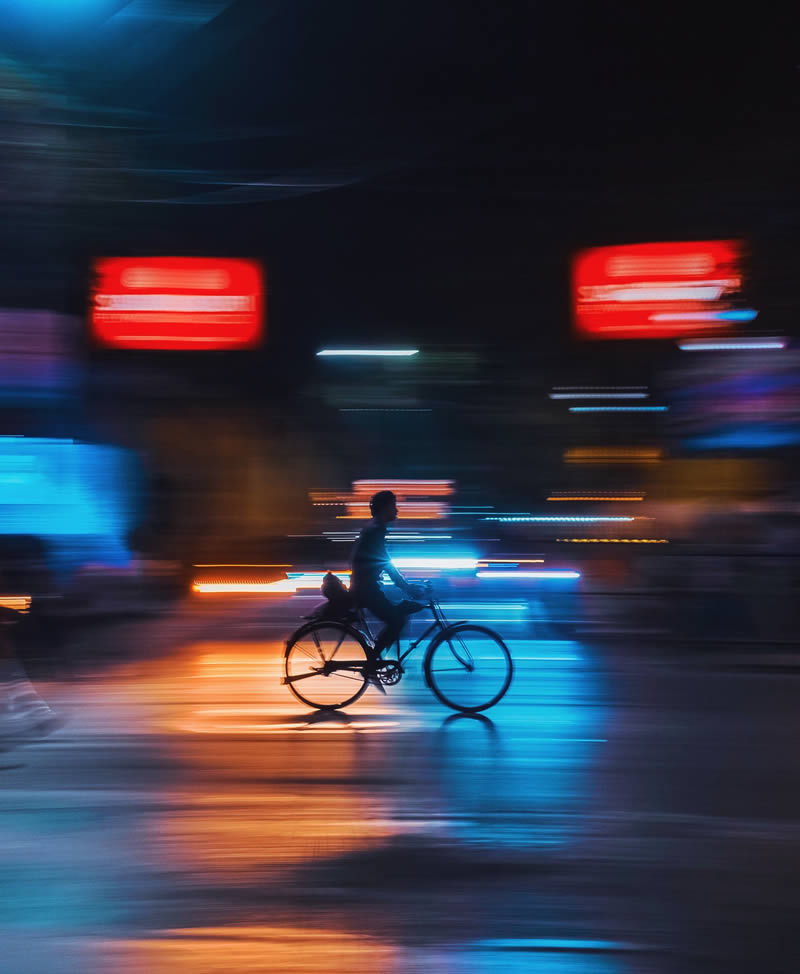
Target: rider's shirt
[[370, 557]]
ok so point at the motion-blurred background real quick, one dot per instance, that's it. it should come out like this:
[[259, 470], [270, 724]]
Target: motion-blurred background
[[542, 214]]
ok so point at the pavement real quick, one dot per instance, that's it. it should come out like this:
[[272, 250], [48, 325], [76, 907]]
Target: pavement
[[629, 809]]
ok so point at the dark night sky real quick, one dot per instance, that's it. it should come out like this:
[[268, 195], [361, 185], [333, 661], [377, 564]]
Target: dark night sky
[[457, 153]]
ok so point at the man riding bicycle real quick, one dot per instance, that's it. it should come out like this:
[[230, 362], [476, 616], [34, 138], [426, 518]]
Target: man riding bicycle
[[369, 561]]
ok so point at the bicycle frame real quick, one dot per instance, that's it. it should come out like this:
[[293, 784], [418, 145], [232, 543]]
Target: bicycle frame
[[439, 622], [331, 665]]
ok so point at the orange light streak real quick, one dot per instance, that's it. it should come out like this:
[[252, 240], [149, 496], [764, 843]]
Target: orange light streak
[[598, 497], [406, 488], [607, 454]]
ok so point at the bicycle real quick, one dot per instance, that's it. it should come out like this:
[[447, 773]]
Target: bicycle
[[327, 662]]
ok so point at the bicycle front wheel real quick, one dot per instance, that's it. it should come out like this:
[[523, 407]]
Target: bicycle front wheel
[[468, 667], [324, 665]]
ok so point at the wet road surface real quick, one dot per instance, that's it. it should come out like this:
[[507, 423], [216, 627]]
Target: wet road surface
[[615, 813]]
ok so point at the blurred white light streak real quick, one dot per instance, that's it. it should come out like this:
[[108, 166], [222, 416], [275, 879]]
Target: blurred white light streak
[[190, 303], [599, 395], [368, 352], [683, 293], [731, 346], [460, 564], [530, 574]]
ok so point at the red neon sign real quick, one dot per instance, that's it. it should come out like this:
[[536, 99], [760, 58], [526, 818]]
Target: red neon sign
[[177, 302], [656, 290]]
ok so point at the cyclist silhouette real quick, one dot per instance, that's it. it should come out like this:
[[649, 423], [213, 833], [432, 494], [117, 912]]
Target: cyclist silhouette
[[370, 560]]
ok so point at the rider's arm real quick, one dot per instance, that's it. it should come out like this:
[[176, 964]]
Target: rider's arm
[[397, 578]]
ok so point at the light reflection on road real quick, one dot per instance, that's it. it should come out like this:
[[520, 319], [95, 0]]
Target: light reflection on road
[[226, 784], [286, 950]]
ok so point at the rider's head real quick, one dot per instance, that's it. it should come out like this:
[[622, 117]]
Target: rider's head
[[384, 506]]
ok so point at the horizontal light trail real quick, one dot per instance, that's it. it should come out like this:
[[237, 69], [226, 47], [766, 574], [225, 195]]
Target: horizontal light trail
[[547, 519], [459, 564], [419, 537], [509, 562], [367, 352], [598, 497], [613, 454], [529, 574], [618, 409], [239, 564], [219, 588], [614, 540], [197, 339], [546, 943], [295, 581], [665, 293], [731, 346], [19, 603], [189, 303], [596, 388], [405, 514], [599, 395], [408, 488], [743, 314]]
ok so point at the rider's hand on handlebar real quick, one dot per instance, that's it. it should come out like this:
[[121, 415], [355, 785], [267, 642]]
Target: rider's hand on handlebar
[[421, 590]]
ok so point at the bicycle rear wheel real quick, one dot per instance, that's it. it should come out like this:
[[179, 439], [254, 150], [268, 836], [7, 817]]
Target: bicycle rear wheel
[[324, 665], [468, 668]]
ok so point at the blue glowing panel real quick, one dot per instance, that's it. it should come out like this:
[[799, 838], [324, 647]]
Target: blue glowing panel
[[58, 488]]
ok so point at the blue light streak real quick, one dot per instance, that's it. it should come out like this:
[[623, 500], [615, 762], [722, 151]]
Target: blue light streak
[[618, 409], [545, 519], [742, 314], [746, 439], [547, 943]]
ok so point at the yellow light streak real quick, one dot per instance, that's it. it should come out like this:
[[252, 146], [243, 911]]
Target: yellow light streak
[[614, 540]]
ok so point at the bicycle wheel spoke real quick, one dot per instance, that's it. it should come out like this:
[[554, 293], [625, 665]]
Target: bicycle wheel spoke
[[309, 673], [315, 637], [341, 640], [307, 653]]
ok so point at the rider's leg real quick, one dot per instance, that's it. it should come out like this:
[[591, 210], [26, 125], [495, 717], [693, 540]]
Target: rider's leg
[[393, 614]]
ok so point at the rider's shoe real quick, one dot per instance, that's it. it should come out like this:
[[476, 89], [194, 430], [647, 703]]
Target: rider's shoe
[[372, 676]]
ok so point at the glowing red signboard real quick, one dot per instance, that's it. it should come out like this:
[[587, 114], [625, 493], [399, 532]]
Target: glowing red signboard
[[177, 302], [658, 290]]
